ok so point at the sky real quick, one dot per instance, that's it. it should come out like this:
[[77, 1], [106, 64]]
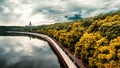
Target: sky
[[39, 12]]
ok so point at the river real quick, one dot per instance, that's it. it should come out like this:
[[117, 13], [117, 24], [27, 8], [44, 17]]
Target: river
[[26, 52]]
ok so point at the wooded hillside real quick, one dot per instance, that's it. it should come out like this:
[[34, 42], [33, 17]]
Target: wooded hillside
[[95, 40]]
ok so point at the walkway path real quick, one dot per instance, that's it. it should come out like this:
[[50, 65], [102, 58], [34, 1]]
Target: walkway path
[[67, 59]]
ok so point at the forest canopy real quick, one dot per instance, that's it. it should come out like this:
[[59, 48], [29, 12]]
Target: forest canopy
[[95, 40]]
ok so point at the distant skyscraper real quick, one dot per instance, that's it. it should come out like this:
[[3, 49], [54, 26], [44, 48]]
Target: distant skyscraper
[[30, 24]]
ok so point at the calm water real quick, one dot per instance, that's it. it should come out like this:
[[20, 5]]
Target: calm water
[[23, 52]]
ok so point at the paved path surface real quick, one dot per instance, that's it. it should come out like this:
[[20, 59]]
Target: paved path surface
[[70, 60]]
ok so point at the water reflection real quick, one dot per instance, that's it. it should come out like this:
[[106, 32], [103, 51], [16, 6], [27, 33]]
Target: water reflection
[[21, 52]]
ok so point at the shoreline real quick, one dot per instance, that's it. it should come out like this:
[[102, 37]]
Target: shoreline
[[66, 57]]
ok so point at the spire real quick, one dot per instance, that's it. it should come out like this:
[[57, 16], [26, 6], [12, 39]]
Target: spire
[[30, 24]]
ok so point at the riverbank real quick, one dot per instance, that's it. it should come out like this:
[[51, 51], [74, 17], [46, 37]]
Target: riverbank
[[76, 60], [70, 60]]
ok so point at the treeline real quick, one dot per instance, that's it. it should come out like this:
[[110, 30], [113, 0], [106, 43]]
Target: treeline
[[18, 28], [11, 28], [95, 40]]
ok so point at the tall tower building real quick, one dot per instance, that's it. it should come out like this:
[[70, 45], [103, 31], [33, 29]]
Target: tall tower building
[[30, 24]]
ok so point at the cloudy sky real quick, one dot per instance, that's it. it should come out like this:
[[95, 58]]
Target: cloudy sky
[[20, 12]]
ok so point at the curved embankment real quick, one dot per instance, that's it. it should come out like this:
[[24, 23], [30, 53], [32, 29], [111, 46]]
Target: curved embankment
[[68, 60]]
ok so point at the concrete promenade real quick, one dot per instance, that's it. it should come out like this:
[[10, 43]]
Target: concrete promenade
[[68, 62]]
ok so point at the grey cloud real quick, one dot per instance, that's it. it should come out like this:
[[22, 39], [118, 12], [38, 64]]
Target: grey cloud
[[56, 10], [2, 1], [72, 8], [5, 17], [1, 9]]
